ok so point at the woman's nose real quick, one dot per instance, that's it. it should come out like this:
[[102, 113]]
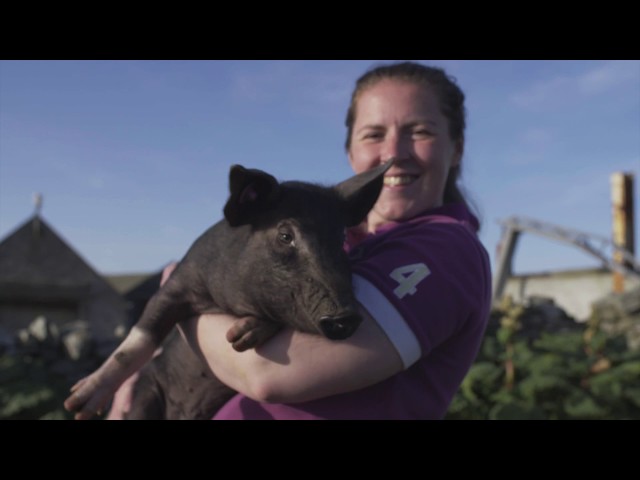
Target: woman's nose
[[395, 146]]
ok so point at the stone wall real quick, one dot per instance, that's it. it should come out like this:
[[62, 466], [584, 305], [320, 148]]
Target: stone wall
[[575, 291], [40, 363]]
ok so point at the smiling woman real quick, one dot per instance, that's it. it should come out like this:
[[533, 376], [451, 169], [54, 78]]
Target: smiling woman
[[419, 273], [402, 121]]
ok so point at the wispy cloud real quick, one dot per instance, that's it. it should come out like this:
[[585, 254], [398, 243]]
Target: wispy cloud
[[609, 76], [536, 136], [83, 178], [292, 83], [542, 92], [308, 85], [598, 80]]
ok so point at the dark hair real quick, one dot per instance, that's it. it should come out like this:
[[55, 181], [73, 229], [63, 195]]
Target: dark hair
[[449, 94]]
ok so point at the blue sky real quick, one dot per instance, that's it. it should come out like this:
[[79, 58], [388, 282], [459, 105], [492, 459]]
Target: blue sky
[[132, 157]]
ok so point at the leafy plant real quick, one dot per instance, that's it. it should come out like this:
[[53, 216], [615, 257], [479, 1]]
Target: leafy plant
[[529, 369], [29, 391]]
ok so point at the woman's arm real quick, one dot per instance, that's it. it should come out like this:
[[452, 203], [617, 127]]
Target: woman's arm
[[293, 366]]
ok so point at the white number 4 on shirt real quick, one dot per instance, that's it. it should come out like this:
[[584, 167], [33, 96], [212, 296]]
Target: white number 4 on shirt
[[408, 277]]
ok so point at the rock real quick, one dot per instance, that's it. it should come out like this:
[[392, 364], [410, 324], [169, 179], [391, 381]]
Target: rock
[[44, 331], [77, 344], [27, 341], [619, 313], [546, 317], [120, 332], [39, 329]]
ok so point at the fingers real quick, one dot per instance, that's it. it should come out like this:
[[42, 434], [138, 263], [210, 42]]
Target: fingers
[[121, 404]]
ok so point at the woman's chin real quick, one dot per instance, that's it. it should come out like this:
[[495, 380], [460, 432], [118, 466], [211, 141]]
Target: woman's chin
[[395, 213]]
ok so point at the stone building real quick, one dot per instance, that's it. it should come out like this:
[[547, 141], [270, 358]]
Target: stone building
[[41, 275]]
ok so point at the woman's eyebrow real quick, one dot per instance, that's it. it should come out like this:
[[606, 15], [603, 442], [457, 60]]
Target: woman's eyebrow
[[422, 121], [410, 124], [370, 126]]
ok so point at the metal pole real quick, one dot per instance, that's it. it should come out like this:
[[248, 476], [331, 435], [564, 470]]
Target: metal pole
[[623, 221]]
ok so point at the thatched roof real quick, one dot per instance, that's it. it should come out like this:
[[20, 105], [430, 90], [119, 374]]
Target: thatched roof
[[35, 261]]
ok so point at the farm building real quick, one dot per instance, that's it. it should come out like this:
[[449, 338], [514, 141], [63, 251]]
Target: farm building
[[41, 275]]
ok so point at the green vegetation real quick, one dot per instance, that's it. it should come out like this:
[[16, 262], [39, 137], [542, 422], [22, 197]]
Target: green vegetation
[[575, 372], [29, 391], [535, 363]]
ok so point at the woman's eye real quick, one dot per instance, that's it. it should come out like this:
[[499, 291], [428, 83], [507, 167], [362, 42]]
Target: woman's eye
[[285, 238], [372, 135], [422, 133]]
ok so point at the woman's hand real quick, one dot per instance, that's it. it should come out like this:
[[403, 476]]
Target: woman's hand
[[122, 399]]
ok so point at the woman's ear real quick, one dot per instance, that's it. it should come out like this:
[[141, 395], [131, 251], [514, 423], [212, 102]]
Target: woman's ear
[[458, 152], [350, 159]]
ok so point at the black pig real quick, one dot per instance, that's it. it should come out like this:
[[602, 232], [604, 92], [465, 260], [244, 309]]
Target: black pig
[[277, 256]]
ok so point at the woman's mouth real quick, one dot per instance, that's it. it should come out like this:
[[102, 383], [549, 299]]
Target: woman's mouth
[[397, 180]]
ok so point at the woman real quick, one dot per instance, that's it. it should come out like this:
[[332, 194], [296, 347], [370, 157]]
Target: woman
[[420, 274]]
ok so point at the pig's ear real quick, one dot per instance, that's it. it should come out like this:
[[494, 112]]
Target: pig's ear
[[360, 193], [251, 192]]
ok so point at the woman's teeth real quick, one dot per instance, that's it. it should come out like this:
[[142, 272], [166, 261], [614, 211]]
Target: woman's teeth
[[398, 180]]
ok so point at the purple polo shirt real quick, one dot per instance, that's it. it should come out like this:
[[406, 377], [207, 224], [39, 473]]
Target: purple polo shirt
[[427, 282]]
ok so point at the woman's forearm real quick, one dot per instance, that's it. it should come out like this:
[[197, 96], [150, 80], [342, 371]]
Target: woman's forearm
[[293, 366], [206, 335]]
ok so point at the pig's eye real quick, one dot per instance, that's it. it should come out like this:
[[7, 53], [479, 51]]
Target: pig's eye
[[286, 238]]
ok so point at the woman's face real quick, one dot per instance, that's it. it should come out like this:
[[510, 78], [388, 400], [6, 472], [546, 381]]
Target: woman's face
[[400, 120]]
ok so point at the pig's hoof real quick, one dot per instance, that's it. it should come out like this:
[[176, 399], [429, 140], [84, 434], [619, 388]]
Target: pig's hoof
[[250, 332], [88, 399]]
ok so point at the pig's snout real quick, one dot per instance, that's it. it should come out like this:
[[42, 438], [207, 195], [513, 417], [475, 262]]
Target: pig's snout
[[339, 327]]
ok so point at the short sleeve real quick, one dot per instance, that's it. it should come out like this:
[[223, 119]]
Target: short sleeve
[[420, 283]]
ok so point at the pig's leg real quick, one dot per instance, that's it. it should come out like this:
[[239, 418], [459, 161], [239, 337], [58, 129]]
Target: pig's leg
[[250, 332], [92, 394]]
